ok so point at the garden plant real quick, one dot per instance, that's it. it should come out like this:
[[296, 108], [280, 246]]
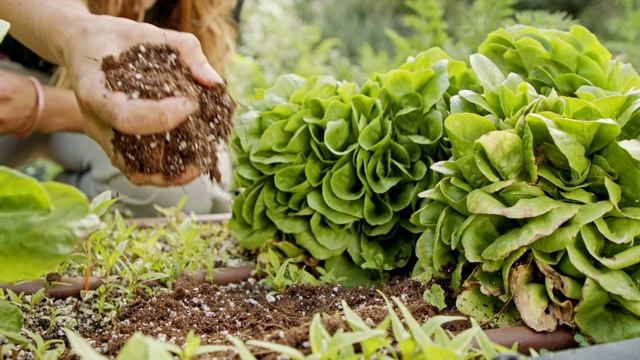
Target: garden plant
[[514, 178]]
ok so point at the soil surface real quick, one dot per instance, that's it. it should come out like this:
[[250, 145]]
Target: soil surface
[[154, 72], [248, 311]]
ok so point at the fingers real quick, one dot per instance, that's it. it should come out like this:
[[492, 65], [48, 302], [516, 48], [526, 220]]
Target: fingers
[[191, 56], [190, 174], [104, 111], [103, 135], [129, 116], [158, 179]]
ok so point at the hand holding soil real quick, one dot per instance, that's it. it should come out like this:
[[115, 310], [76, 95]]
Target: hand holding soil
[[108, 111], [151, 71]]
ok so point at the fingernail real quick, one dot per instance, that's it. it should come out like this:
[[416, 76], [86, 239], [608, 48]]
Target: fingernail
[[210, 75]]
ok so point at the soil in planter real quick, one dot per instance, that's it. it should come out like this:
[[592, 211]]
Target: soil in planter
[[247, 311], [153, 72]]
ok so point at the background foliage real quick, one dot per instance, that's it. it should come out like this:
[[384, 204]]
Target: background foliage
[[351, 39]]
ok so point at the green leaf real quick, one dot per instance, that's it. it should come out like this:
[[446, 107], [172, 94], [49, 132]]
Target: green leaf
[[278, 348], [463, 130], [142, 347], [81, 348], [533, 230], [376, 134], [569, 151], [480, 202], [472, 302], [21, 194], [479, 232], [624, 158], [618, 230], [338, 137], [435, 296], [291, 178], [399, 83], [565, 234], [353, 206], [595, 245], [614, 281], [11, 322], [100, 204], [316, 202], [385, 255], [487, 72], [505, 152], [349, 274], [376, 210], [33, 242], [599, 317], [328, 236], [241, 349], [308, 241]]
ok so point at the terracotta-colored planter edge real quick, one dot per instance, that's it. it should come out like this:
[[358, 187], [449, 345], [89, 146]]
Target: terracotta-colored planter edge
[[71, 287]]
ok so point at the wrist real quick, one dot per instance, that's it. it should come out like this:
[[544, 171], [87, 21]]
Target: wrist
[[77, 26], [36, 113]]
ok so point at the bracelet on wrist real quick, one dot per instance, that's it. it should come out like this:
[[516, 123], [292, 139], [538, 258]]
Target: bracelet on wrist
[[37, 110]]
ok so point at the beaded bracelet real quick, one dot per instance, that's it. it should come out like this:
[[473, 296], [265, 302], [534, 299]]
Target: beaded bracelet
[[37, 111]]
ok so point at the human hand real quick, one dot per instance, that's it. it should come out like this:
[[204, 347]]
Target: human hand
[[19, 102], [103, 110]]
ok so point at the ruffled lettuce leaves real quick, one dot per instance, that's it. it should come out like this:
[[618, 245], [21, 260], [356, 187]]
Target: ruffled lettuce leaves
[[335, 168], [516, 179], [539, 199]]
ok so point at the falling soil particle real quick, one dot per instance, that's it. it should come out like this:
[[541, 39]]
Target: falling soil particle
[[150, 71]]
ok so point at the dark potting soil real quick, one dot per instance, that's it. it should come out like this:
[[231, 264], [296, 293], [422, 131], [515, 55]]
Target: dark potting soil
[[247, 310], [151, 71]]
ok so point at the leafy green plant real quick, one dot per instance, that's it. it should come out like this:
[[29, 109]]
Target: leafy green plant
[[413, 341], [40, 224], [538, 204], [34, 299], [334, 168], [44, 349], [280, 276], [56, 317], [11, 322], [12, 327], [143, 347]]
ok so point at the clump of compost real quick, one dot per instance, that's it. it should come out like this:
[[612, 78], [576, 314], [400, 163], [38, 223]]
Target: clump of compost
[[152, 71]]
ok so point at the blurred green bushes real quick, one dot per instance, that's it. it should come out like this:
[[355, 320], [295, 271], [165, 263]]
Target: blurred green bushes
[[351, 39]]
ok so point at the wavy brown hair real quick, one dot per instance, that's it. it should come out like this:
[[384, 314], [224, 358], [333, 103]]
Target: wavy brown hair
[[211, 21]]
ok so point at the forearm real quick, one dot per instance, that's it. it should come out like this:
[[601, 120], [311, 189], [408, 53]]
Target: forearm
[[61, 111], [45, 26]]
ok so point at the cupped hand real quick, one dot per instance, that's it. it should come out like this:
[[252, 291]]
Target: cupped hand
[[17, 103], [105, 111]]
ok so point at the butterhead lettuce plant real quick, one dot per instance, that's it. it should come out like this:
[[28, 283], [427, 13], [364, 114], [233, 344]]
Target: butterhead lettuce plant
[[520, 177], [538, 207], [335, 169]]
